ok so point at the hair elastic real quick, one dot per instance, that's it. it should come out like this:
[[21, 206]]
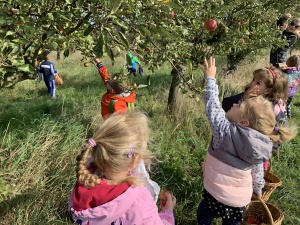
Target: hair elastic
[[92, 142], [131, 152], [275, 128], [273, 74]]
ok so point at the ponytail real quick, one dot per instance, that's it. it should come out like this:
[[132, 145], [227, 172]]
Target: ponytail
[[282, 134], [84, 176]]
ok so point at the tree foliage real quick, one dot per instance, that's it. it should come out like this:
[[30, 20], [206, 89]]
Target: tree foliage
[[157, 31]]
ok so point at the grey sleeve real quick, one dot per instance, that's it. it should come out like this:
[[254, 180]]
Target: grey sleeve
[[214, 112], [258, 181]]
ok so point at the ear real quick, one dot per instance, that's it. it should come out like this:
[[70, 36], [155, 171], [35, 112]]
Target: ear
[[135, 161], [245, 123], [268, 90]]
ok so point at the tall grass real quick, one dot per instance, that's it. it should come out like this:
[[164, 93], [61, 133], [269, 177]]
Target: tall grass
[[40, 138]]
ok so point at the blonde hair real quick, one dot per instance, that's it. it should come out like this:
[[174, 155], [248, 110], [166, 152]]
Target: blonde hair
[[293, 61], [115, 138], [259, 112], [278, 85]]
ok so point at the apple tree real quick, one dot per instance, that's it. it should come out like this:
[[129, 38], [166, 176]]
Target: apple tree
[[156, 31]]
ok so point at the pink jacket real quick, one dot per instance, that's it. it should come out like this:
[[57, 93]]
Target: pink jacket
[[134, 207]]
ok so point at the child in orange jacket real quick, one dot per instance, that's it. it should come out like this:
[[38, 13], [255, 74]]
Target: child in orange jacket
[[117, 97]]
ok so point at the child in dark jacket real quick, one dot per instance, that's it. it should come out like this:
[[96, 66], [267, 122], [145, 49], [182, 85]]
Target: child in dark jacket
[[242, 137], [47, 69]]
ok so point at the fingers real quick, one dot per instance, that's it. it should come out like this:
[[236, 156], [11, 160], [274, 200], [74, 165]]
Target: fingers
[[207, 64]]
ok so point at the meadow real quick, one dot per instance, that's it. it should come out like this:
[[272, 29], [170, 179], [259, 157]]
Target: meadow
[[40, 138]]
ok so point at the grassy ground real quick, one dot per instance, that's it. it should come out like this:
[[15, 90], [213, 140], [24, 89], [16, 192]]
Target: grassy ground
[[40, 138]]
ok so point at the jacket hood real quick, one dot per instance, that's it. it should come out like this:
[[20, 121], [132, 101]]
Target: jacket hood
[[110, 211], [255, 146]]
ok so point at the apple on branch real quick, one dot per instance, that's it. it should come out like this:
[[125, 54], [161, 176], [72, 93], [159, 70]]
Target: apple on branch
[[210, 25]]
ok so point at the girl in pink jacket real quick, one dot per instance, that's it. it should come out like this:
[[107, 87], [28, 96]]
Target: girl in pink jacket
[[107, 191], [242, 137]]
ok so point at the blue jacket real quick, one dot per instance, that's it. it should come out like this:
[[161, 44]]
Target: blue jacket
[[47, 69]]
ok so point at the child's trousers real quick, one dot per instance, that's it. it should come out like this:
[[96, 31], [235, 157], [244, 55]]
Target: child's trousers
[[205, 215], [51, 87]]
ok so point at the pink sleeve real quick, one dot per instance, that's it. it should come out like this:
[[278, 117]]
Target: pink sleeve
[[167, 217]]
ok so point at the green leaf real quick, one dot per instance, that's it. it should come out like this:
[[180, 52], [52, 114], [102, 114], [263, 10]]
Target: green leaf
[[98, 49], [117, 23], [124, 40], [88, 31], [8, 33], [79, 3], [50, 33], [18, 61], [26, 1], [115, 5], [26, 68], [110, 53]]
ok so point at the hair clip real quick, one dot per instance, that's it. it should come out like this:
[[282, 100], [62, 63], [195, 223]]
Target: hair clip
[[131, 152], [275, 128], [92, 142]]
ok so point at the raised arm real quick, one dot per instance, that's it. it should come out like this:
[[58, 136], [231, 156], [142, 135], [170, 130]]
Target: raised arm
[[102, 69], [214, 112]]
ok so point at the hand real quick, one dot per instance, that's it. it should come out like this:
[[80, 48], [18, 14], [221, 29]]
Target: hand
[[97, 60], [251, 92], [255, 196], [209, 69], [169, 202]]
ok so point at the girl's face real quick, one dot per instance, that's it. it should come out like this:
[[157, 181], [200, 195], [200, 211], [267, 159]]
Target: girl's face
[[258, 87], [234, 114]]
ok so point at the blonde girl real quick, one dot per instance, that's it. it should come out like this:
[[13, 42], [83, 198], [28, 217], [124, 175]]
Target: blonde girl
[[107, 190], [242, 137]]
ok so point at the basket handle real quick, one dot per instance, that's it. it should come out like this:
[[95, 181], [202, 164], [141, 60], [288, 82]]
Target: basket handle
[[270, 165], [267, 209]]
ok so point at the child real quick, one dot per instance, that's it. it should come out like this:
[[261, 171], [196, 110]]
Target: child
[[241, 138], [291, 34], [117, 97], [292, 71], [132, 63], [268, 82], [47, 69], [107, 191]]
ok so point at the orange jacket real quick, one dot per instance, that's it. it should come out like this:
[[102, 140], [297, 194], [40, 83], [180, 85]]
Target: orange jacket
[[111, 102]]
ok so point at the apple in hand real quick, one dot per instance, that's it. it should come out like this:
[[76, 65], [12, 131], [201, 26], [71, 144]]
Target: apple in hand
[[163, 197], [210, 25]]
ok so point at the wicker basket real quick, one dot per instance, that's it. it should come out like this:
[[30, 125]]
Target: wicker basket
[[272, 182], [266, 213]]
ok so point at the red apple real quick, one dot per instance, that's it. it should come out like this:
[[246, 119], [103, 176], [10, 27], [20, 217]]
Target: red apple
[[148, 49], [210, 25], [243, 41], [252, 220], [163, 196], [172, 13]]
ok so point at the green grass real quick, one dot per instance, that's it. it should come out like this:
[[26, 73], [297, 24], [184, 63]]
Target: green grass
[[40, 138]]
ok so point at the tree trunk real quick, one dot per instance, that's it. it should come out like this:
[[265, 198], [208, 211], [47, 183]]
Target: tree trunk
[[177, 78]]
